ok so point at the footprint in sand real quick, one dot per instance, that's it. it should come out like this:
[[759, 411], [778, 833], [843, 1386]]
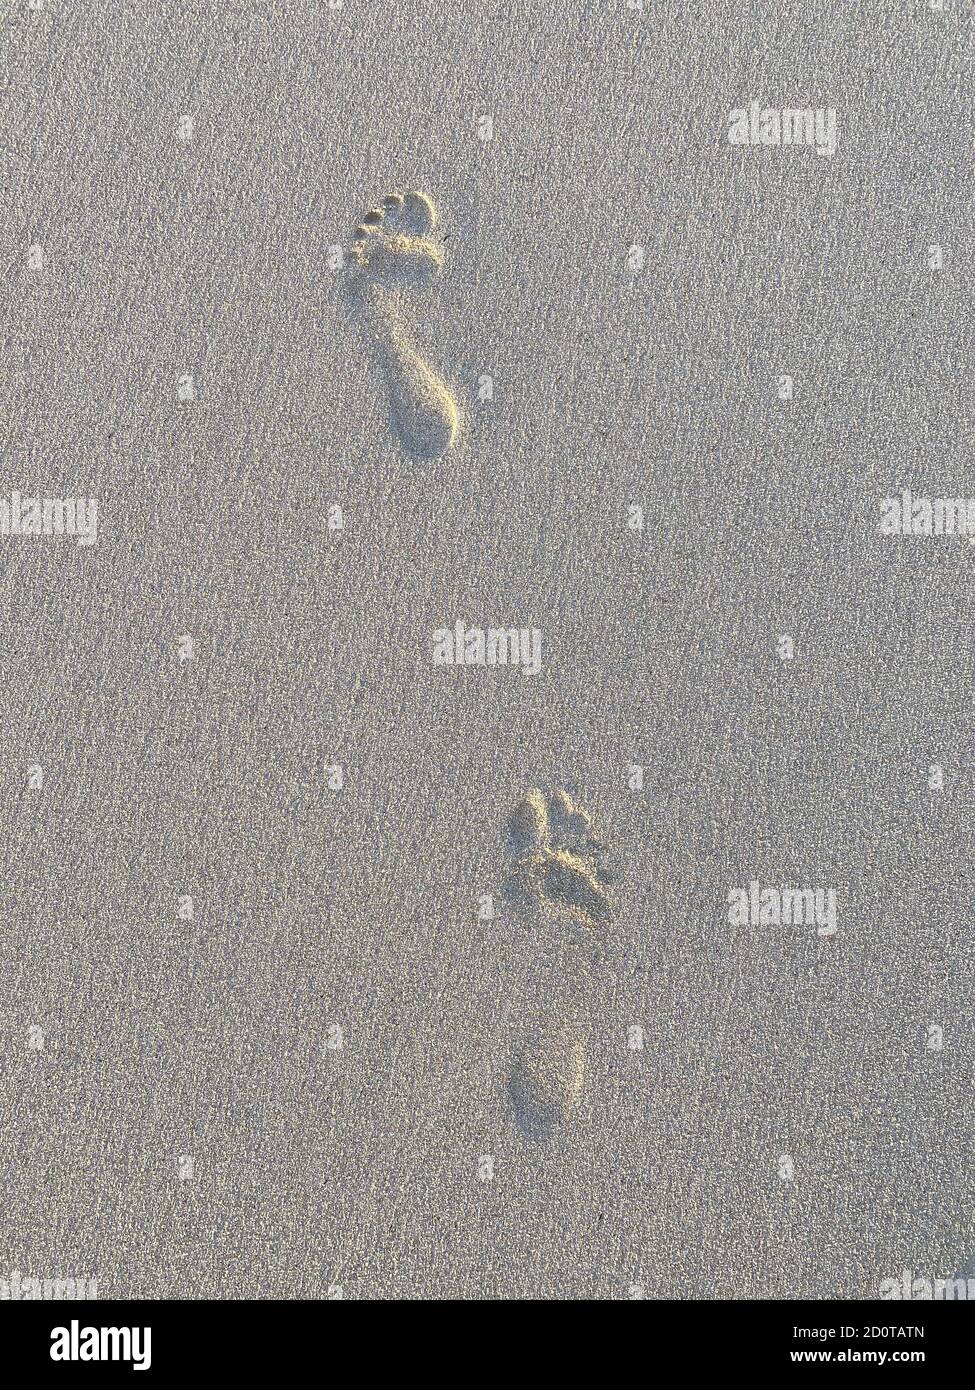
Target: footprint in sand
[[392, 253], [559, 880]]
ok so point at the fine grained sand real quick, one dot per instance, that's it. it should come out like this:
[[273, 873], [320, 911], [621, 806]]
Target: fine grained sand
[[190, 1126]]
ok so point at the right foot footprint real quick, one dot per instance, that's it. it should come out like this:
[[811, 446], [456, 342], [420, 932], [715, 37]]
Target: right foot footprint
[[557, 859], [557, 873], [392, 252]]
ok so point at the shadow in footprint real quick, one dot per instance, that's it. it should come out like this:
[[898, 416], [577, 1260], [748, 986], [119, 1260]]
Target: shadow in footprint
[[422, 412], [545, 1082]]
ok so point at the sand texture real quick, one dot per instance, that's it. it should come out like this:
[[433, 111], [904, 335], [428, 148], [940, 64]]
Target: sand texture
[[489, 439]]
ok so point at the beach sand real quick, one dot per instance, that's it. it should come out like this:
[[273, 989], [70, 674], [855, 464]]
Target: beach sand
[[297, 996]]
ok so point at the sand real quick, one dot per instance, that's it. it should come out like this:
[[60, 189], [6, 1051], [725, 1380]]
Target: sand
[[288, 1007]]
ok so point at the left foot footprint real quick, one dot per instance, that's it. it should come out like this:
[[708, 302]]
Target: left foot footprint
[[392, 252]]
